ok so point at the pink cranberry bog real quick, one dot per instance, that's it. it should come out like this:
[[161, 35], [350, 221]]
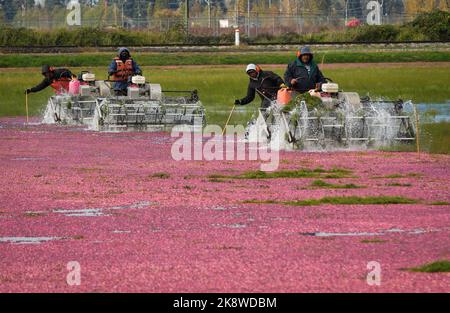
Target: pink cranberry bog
[[103, 211]]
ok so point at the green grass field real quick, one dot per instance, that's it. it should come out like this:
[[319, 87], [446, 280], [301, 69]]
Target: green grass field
[[216, 58], [218, 86]]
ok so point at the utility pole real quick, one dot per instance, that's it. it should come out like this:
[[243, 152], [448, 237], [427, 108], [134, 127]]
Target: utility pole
[[115, 13], [105, 13], [209, 13], [248, 18], [186, 16], [236, 13], [139, 14], [208, 2], [346, 11], [26, 7], [123, 2]]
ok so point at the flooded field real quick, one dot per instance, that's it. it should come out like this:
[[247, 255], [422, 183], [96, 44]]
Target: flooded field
[[138, 221]]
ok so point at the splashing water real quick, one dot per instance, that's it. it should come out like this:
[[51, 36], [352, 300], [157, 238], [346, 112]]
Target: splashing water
[[49, 113], [336, 125]]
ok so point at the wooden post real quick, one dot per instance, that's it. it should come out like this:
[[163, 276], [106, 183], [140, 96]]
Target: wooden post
[[26, 105], [417, 130]]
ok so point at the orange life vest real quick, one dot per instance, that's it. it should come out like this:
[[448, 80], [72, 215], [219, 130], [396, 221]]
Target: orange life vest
[[61, 85], [124, 70]]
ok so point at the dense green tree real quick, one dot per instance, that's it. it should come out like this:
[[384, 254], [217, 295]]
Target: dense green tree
[[354, 8], [136, 8], [10, 8], [323, 6], [393, 7]]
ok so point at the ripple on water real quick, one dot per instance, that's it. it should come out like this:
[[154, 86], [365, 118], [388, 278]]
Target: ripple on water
[[93, 212], [28, 240], [81, 212], [369, 234]]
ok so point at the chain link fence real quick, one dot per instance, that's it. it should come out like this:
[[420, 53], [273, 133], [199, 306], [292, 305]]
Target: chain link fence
[[252, 24]]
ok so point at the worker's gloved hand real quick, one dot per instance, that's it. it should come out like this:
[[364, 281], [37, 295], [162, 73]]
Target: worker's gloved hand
[[314, 93], [237, 102], [283, 86], [27, 91]]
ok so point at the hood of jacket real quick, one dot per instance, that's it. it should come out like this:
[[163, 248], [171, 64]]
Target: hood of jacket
[[122, 50]]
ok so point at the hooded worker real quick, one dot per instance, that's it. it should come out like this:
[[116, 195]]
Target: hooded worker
[[265, 83], [57, 78], [122, 68], [303, 74]]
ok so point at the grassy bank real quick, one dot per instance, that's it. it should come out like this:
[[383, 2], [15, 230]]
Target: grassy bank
[[185, 58]]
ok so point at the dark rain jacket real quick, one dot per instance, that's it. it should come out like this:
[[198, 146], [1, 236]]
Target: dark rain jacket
[[268, 83], [305, 81]]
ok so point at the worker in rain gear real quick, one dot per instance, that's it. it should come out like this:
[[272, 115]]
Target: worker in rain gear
[[57, 78], [303, 74], [122, 68], [265, 83]]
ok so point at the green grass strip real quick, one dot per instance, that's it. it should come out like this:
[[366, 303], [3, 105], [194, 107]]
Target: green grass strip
[[160, 175], [395, 184], [218, 58], [301, 173], [341, 200], [323, 184], [373, 241], [442, 266]]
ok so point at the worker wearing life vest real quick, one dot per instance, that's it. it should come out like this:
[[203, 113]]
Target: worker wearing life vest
[[122, 68], [57, 78]]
